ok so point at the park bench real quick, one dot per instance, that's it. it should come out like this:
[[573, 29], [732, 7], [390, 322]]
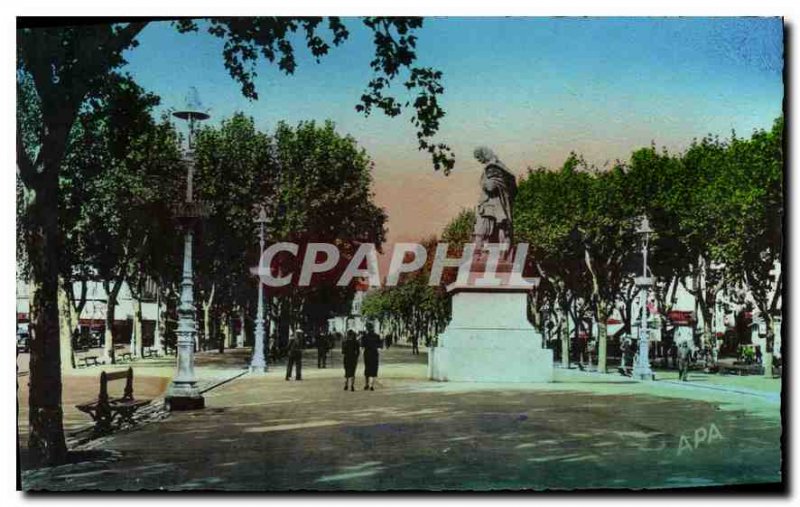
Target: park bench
[[121, 354], [150, 352], [105, 410], [88, 361], [743, 369]]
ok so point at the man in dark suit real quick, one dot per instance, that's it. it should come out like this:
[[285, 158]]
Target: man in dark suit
[[295, 355], [323, 345], [684, 355]]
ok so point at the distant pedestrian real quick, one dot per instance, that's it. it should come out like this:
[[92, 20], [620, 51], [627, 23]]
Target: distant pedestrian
[[371, 343], [295, 354], [389, 341], [350, 353], [626, 350], [683, 361], [673, 353], [759, 356], [590, 350], [323, 345], [415, 343]]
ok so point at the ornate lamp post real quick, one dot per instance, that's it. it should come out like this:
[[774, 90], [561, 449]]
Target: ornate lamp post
[[259, 364], [641, 369], [182, 393]]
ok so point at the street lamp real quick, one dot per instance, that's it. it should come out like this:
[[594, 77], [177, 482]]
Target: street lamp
[[182, 393], [641, 369], [259, 364]]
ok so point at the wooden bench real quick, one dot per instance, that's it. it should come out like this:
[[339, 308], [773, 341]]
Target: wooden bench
[[125, 356], [150, 352], [105, 410], [88, 361]]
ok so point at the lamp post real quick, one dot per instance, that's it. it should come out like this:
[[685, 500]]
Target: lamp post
[[641, 369], [258, 364], [182, 393]]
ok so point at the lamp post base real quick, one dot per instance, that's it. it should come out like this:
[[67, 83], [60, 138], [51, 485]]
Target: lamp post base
[[643, 373], [184, 397], [181, 403]]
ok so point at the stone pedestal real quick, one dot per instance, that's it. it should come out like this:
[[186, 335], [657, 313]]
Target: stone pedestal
[[489, 339]]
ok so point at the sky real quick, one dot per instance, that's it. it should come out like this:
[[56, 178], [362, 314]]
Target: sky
[[532, 89]]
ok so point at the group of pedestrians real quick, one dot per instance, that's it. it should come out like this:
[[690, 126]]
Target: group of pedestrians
[[351, 349], [352, 345]]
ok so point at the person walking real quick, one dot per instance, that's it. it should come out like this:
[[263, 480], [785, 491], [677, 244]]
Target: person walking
[[371, 343], [323, 345], [673, 353], [415, 343], [683, 361], [350, 353], [295, 355]]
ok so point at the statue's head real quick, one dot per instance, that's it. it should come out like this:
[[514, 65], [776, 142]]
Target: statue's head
[[484, 155]]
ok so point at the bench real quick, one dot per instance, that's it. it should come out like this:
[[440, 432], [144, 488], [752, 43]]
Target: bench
[[150, 352], [743, 369], [105, 410], [125, 356], [88, 361]]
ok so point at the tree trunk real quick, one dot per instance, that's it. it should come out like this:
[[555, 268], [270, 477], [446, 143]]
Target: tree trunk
[[602, 339], [159, 327], [137, 338], [109, 355], [222, 336], [76, 309], [769, 345], [206, 328], [564, 330], [231, 337], [206, 321], [46, 438], [108, 342], [65, 329], [708, 317], [240, 337]]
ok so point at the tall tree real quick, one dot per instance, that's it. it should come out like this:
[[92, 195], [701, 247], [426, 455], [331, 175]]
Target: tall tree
[[326, 195], [607, 231], [748, 197], [236, 169], [127, 203], [546, 216]]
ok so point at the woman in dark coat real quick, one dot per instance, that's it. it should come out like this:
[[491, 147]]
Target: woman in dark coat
[[371, 343], [350, 352]]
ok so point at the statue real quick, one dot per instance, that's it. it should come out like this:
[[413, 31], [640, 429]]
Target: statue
[[493, 222]]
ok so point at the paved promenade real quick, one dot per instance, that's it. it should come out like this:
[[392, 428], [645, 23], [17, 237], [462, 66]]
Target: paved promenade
[[584, 431]]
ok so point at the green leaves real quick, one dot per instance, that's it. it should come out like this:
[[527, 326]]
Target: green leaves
[[117, 180], [321, 180]]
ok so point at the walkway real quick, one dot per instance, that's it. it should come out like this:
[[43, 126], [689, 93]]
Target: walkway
[[263, 433]]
